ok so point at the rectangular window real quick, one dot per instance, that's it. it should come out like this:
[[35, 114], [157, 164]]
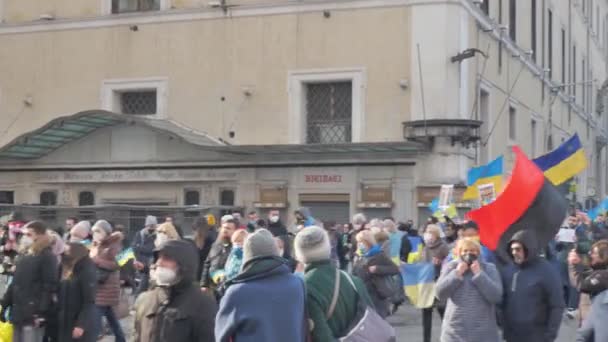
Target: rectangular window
[[550, 43], [138, 102], [533, 30], [500, 41], [329, 112], [129, 6], [512, 124], [485, 6], [533, 138], [573, 80], [512, 19], [563, 56], [583, 86], [7, 197], [484, 117]]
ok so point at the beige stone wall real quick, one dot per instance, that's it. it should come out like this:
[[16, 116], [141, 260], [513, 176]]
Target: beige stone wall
[[205, 60], [16, 11]]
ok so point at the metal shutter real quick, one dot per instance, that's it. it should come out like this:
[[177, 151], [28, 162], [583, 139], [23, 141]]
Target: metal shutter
[[338, 212]]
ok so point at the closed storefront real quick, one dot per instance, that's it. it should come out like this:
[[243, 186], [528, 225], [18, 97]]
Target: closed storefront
[[327, 207]]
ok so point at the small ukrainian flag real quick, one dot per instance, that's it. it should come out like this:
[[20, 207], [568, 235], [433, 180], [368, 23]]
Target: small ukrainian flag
[[564, 162]]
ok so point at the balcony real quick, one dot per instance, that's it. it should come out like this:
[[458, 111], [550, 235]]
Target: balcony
[[458, 131]]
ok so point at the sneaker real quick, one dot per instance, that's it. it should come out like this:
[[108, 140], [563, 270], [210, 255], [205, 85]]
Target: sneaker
[[571, 313]]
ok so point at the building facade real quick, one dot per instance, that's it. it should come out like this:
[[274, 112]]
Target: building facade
[[338, 105]]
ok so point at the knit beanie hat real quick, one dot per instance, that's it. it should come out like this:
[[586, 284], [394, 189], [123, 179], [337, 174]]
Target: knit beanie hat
[[260, 243], [311, 245], [81, 230], [151, 220], [104, 226]]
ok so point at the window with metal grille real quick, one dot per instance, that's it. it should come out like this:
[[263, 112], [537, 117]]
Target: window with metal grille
[[127, 6], [512, 20], [138, 102], [227, 197], [329, 112], [7, 197], [86, 198], [48, 198], [485, 6], [192, 197], [512, 124]]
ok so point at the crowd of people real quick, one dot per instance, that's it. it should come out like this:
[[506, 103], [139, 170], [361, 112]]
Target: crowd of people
[[256, 279]]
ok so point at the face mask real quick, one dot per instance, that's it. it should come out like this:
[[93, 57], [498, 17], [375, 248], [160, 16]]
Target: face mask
[[281, 252], [26, 241], [75, 239], [428, 238], [469, 258], [160, 239], [98, 237], [274, 219], [362, 248], [164, 276]]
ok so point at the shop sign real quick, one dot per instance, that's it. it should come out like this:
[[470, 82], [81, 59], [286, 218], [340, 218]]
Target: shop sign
[[322, 179], [135, 176]]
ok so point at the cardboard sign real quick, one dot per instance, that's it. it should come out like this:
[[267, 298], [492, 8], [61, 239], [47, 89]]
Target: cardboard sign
[[445, 196], [487, 193], [566, 235]]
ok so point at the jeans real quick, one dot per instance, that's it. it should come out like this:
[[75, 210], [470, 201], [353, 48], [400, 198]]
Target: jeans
[[27, 333], [108, 313]]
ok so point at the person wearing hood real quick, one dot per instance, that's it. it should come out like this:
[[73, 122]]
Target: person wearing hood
[[533, 303], [373, 267], [204, 237], [589, 280], [29, 297], [246, 313], [81, 232], [143, 248], [77, 314], [213, 269], [304, 218], [175, 310], [106, 245], [472, 289], [312, 248]]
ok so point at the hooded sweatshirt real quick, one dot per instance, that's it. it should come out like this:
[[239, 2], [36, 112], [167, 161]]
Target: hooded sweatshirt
[[263, 303], [180, 312], [533, 301]]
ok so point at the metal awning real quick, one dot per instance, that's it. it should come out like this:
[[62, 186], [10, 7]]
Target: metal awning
[[64, 130]]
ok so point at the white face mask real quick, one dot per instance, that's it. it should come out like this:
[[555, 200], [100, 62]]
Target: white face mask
[[160, 239], [274, 219], [98, 236], [165, 276], [281, 251], [26, 241]]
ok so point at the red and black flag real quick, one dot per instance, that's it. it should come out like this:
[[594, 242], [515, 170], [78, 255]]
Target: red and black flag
[[529, 201]]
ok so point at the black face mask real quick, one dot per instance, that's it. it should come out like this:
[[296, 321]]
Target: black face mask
[[469, 258]]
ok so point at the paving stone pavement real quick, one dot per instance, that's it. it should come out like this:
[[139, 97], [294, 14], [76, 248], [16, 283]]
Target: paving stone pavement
[[408, 324]]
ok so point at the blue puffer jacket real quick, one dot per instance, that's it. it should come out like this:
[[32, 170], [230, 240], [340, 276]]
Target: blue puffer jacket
[[533, 301]]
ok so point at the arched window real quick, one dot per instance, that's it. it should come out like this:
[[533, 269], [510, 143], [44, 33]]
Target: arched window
[[227, 197], [48, 198], [86, 198], [192, 197]]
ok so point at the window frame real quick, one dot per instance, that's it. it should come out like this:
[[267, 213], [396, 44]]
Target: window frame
[[186, 191], [83, 191], [106, 8], [512, 138], [297, 81], [9, 190], [54, 191], [111, 89]]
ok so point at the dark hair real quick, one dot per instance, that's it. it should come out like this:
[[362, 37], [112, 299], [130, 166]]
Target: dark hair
[[201, 228], [73, 218], [261, 223], [37, 226], [470, 225], [434, 220], [253, 212]]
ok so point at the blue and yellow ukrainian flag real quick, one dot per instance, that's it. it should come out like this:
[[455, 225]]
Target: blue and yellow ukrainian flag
[[564, 162], [123, 257], [450, 211], [486, 174], [419, 283]]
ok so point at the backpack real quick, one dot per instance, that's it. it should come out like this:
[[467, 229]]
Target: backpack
[[368, 325]]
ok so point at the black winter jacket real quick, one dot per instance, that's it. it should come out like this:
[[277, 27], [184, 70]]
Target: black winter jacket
[[216, 260]]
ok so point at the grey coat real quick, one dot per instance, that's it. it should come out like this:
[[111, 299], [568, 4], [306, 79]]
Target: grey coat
[[594, 328], [470, 313]]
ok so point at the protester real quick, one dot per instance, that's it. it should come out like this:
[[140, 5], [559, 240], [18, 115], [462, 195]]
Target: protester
[[177, 227], [470, 230], [175, 310], [70, 222], [164, 233], [359, 222], [435, 251], [235, 258], [278, 229], [589, 280], [374, 268], [238, 219], [77, 316], [245, 312], [81, 232], [252, 223], [344, 246], [532, 306], [472, 289], [143, 247], [312, 248], [106, 245], [213, 269], [416, 244], [30, 295], [204, 237], [304, 218], [290, 261]]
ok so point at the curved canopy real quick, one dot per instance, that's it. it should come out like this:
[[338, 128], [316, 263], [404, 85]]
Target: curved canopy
[[63, 130]]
